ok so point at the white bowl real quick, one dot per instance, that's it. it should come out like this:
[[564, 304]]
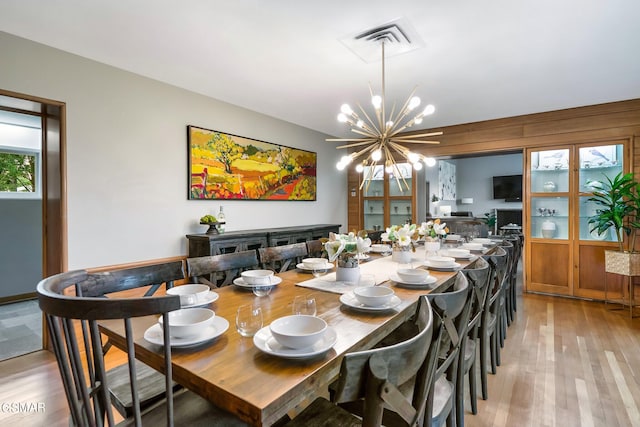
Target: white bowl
[[380, 248], [482, 240], [188, 322], [257, 277], [311, 263], [298, 330], [441, 261], [473, 246], [373, 296], [190, 294], [458, 253], [412, 275], [455, 237]]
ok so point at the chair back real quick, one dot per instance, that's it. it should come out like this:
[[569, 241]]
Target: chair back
[[220, 270], [498, 260], [315, 248], [103, 283], [282, 258], [478, 277], [78, 346], [377, 375]]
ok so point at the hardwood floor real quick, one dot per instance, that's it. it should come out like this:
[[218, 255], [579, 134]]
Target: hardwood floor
[[565, 363]]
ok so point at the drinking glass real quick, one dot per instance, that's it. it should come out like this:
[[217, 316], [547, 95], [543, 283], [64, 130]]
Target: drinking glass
[[304, 304], [248, 320], [319, 271]]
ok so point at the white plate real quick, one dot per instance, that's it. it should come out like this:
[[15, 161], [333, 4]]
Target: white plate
[[427, 281], [309, 270], [379, 249], [362, 257], [208, 299], [350, 300], [218, 326], [482, 241], [445, 252], [267, 344], [429, 285], [451, 267], [239, 281]]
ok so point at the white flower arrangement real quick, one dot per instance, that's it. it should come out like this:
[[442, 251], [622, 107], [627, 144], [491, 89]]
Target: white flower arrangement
[[401, 236], [345, 247], [433, 230]]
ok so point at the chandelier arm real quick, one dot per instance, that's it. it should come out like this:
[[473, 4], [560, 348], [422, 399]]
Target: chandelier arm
[[402, 114], [418, 135], [369, 134], [350, 139], [356, 144], [394, 165], [403, 180], [411, 141], [382, 123], [374, 128]]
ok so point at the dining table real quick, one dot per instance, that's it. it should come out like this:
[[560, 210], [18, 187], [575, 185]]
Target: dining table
[[261, 387]]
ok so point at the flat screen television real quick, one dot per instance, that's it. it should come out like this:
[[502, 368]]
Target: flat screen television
[[508, 187]]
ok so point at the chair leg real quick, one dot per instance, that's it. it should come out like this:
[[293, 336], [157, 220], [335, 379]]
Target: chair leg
[[484, 350], [494, 350], [473, 389]]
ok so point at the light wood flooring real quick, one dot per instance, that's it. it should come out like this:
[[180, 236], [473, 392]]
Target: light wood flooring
[[565, 363]]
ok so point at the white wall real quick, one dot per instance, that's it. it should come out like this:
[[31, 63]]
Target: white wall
[[127, 157]]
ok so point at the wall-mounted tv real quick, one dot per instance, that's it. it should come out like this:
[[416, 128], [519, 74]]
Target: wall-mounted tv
[[508, 187]]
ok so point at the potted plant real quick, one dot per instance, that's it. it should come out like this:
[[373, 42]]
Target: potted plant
[[402, 238], [618, 207], [433, 232], [490, 220], [346, 249]]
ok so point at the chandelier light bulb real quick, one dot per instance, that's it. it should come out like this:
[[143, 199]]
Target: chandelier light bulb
[[360, 124], [389, 124], [430, 161], [376, 155], [346, 160], [346, 109], [340, 166], [415, 101], [428, 110], [413, 157], [359, 168], [417, 120], [376, 100], [388, 168], [417, 165], [342, 118]]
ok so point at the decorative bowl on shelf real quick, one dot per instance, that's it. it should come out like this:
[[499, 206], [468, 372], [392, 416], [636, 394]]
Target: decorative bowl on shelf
[[213, 227]]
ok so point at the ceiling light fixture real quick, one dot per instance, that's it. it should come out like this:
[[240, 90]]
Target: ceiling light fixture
[[381, 136]]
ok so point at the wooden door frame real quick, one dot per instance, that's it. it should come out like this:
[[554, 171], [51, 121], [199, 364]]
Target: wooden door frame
[[54, 172]]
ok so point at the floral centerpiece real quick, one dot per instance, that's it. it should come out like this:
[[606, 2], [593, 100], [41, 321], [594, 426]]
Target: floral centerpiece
[[403, 239], [433, 232], [345, 248]]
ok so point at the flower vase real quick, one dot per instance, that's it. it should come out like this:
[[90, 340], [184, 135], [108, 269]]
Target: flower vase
[[348, 274], [401, 255], [431, 248]]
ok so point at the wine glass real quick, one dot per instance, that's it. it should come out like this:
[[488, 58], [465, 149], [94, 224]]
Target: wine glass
[[304, 304], [248, 320]]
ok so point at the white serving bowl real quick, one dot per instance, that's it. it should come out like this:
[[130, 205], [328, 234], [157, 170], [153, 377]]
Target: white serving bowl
[[455, 237], [257, 277], [380, 248], [458, 253], [298, 330], [473, 246], [412, 275], [314, 263], [441, 261], [373, 296], [190, 294], [188, 322]]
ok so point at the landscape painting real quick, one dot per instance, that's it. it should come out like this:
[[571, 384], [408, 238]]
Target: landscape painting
[[224, 167]]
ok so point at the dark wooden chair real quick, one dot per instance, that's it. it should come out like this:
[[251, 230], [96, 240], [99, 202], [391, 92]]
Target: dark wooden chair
[[72, 321], [315, 248], [451, 310], [220, 270], [490, 317], [104, 283], [513, 277], [282, 258], [373, 380], [506, 293], [478, 277]]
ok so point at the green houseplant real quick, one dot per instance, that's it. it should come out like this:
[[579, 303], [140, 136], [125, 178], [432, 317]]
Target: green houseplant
[[618, 207]]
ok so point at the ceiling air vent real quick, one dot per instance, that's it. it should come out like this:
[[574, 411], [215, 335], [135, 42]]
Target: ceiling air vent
[[398, 36]]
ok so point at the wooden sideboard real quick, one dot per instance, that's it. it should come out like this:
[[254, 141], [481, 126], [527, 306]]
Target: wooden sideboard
[[242, 240]]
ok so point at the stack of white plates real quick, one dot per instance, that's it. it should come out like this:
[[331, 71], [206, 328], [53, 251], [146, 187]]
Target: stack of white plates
[[473, 246]]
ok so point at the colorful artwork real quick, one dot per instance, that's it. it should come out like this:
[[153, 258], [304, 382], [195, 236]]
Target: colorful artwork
[[225, 166]]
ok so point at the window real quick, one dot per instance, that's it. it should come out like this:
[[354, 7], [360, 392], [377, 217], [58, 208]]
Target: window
[[20, 155]]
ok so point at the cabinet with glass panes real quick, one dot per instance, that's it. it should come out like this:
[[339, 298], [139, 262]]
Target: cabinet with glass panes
[[388, 198]]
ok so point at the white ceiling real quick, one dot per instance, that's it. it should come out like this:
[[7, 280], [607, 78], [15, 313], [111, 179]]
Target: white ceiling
[[283, 58]]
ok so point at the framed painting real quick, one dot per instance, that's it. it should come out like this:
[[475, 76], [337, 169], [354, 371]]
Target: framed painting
[[447, 180], [223, 166]]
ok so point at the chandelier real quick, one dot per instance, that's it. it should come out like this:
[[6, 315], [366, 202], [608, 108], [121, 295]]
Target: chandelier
[[380, 141]]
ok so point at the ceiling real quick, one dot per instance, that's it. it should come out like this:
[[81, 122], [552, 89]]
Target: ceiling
[[284, 58]]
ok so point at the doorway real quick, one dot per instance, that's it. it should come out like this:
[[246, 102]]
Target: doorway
[[46, 211]]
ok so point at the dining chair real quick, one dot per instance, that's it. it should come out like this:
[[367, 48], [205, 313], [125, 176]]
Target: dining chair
[[478, 276], [280, 258], [374, 382], [513, 276], [505, 306], [220, 270], [72, 321], [315, 248], [101, 284], [490, 317], [451, 310]]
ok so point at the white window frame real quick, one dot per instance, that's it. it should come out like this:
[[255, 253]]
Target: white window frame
[[29, 195]]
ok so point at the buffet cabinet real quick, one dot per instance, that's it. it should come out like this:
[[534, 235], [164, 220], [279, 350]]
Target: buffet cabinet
[[387, 199], [562, 255], [242, 240]]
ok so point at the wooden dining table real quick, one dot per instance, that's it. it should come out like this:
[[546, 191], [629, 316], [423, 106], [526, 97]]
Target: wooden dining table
[[261, 388]]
